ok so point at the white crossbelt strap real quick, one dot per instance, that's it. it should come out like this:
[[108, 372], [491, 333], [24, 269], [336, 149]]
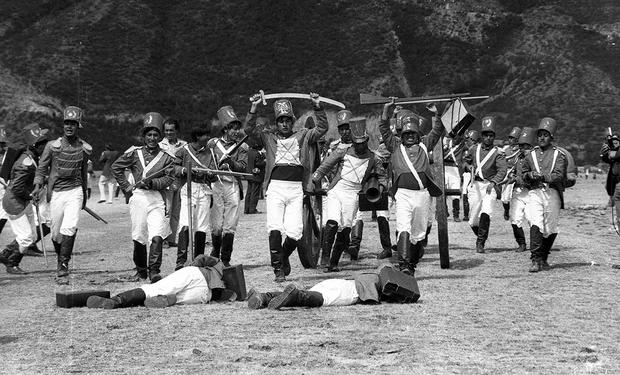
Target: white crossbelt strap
[[191, 154], [403, 151], [351, 167], [222, 148], [555, 158], [151, 164], [451, 152], [479, 164], [287, 152]]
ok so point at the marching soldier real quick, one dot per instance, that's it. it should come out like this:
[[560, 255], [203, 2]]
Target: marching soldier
[[227, 190], [488, 169], [200, 156], [64, 165], [472, 137], [544, 170], [286, 175], [344, 130], [611, 156], [453, 150], [353, 168], [17, 200], [412, 182], [151, 168], [511, 154], [520, 191], [3, 214], [171, 143]]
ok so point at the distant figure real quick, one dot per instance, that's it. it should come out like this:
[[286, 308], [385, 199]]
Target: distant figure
[[256, 166], [108, 156], [587, 173]]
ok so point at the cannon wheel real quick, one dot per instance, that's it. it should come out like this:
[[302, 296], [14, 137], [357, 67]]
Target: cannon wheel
[[309, 246]]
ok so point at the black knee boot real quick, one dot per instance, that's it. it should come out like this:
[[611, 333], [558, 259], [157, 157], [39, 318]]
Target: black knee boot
[[547, 244], [536, 248], [287, 249], [275, 252], [483, 232], [329, 235], [341, 243], [356, 239], [404, 253], [257, 300], [66, 250], [130, 298], [216, 241], [155, 258], [506, 210], [465, 207], [519, 237], [456, 205], [384, 237], [227, 248], [139, 259], [182, 248], [293, 297], [15, 257], [2, 224], [200, 240]]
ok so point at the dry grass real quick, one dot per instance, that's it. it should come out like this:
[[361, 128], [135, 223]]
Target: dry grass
[[486, 314]]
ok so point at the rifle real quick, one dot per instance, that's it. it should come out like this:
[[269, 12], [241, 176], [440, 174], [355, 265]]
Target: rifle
[[233, 149], [373, 99], [91, 213], [36, 206], [218, 172]]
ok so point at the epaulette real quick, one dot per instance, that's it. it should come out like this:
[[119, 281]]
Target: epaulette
[[211, 143], [169, 153], [88, 149], [28, 161], [131, 149], [57, 143]]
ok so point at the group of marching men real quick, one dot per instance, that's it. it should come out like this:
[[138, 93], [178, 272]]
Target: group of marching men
[[537, 179]]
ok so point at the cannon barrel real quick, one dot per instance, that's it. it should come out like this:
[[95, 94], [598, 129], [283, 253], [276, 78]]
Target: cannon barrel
[[372, 189]]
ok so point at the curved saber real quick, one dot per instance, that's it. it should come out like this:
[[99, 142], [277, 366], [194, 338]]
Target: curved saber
[[292, 95]]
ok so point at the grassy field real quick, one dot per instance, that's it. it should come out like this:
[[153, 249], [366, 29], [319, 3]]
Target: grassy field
[[484, 315]]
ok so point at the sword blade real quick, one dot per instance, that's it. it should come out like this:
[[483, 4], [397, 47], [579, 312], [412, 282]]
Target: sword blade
[[292, 95]]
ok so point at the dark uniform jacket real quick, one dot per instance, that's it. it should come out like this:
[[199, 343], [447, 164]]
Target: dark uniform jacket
[[199, 158], [335, 161], [552, 171], [493, 170], [159, 177], [63, 162], [306, 138], [17, 194], [238, 161], [613, 176]]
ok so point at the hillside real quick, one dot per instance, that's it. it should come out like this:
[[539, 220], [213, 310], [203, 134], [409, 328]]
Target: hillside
[[118, 59]]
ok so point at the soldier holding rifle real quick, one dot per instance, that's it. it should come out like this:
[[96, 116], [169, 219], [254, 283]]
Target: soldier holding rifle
[[520, 191], [286, 174], [511, 152], [354, 167], [151, 167], [17, 200], [228, 155], [64, 165], [201, 194], [412, 183]]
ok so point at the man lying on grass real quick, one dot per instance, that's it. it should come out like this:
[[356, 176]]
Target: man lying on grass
[[200, 282]]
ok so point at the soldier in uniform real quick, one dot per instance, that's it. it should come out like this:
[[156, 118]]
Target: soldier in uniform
[[171, 143], [520, 192], [200, 156], [412, 182], [344, 130], [511, 153], [287, 175], [227, 190], [256, 166], [544, 172], [472, 137], [106, 179], [453, 150], [488, 169], [611, 156], [17, 200], [353, 167], [151, 168], [3, 215], [64, 165]]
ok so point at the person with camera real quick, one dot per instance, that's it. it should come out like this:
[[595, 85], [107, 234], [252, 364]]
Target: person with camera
[[610, 154]]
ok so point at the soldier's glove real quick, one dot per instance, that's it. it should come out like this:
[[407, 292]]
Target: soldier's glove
[[127, 195], [534, 176], [255, 171], [141, 185]]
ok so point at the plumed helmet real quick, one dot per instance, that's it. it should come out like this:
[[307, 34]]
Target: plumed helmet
[[527, 136], [227, 116], [358, 129], [343, 117], [33, 134], [283, 107], [515, 132], [73, 113], [488, 124], [474, 135], [548, 124], [152, 120]]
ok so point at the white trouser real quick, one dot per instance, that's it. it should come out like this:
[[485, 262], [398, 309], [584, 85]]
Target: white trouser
[[479, 201], [225, 211], [517, 206], [188, 284], [412, 210], [432, 211], [507, 192], [23, 226], [148, 216], [284, 201], [201, 207], [109, 182], [452, 178], [543, 210], [337, 292], [44, 212], [3, 214], [466, 181], [342, 205], [65, 207]]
